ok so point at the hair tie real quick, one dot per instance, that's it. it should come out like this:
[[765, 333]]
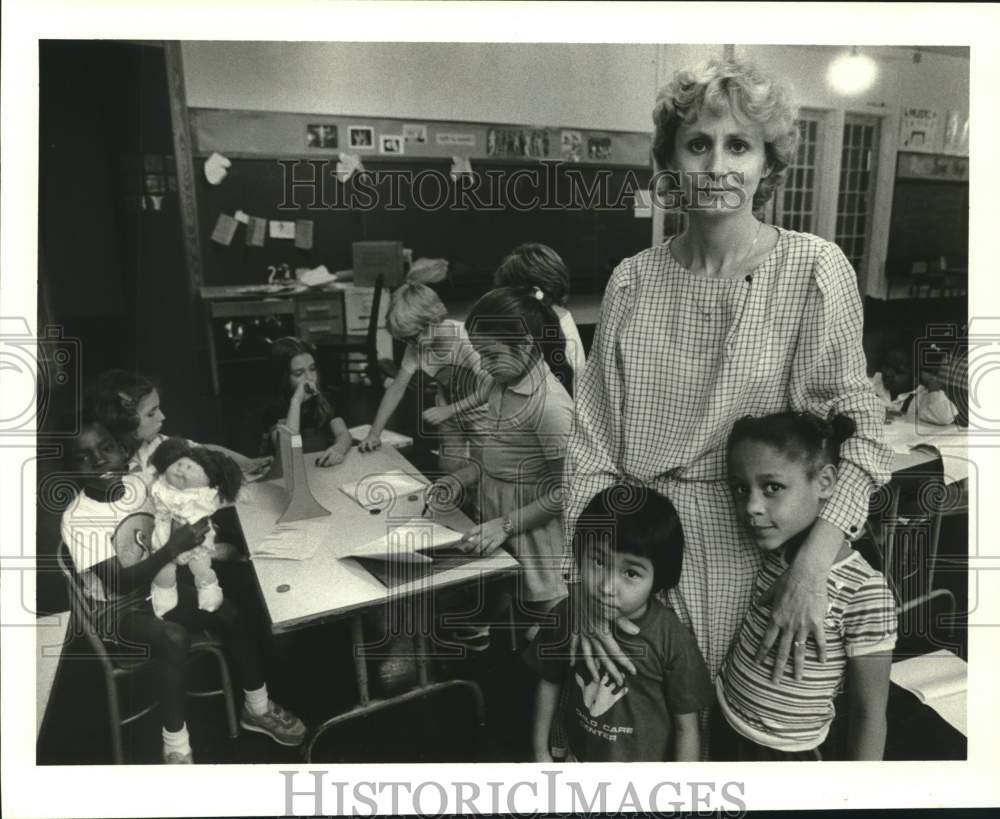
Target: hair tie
[[539, 294]]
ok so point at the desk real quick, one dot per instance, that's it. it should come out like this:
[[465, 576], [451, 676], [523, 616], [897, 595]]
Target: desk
[[309, 313], [325, 587]]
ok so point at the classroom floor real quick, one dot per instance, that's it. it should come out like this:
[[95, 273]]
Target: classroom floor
[[310, 671]]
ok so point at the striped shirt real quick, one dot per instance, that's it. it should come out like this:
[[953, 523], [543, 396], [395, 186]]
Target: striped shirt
[[795, 715]]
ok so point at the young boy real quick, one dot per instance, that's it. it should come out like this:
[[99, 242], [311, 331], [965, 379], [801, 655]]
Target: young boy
[[107, 528], [628, 544]]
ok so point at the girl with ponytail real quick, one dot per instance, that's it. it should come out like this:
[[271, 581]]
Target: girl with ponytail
[[539, 266], [529, 421], [782, 469]]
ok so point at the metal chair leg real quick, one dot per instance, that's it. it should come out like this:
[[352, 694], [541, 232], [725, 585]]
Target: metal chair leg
[[227, 693], [114, 717]]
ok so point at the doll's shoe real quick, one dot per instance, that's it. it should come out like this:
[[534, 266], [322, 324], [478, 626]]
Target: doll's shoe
[[282, 726], [164, 599], [209, 597], [177, 758]]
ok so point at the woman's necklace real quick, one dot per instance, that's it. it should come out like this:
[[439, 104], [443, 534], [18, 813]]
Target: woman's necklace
[[743, 261], [746, 255]]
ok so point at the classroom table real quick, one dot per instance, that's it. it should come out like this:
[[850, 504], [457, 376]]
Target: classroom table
[[328, 586]]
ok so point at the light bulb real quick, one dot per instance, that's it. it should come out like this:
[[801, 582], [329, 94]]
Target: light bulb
[[852, 73]]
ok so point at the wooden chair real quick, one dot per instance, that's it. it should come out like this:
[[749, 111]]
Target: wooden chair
[[344, 345], [119, 661]]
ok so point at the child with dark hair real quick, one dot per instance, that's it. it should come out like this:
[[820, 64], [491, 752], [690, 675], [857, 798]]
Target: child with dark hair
[[539, 266], [108, 529], [628, 545], [529, 417], [192, 483], [782, 469], [128, 405], [303, 406]]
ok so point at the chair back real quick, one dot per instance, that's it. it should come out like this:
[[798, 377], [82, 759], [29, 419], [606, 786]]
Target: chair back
[[81, 606], [376, 305]]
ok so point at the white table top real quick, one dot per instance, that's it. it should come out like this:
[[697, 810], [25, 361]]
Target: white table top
[[950, 442], [325, 586]]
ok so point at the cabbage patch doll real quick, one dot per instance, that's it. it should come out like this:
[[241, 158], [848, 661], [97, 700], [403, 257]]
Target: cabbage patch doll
[[191, 483]]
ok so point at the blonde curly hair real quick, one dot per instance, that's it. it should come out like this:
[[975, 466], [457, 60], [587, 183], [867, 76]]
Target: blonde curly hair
[[730, 86]]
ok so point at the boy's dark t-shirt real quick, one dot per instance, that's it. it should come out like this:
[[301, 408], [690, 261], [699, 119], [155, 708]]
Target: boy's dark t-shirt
[[635, 724]]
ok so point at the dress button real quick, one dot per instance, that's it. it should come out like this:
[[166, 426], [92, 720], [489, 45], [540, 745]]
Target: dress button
[[854, 529]]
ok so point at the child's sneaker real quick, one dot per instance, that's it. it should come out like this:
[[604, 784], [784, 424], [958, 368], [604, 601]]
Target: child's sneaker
[[177, 758], [282, 726], [210, 597], [164, 599]]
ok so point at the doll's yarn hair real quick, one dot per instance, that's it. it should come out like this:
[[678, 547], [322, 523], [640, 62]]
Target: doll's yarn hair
[[222, 471]]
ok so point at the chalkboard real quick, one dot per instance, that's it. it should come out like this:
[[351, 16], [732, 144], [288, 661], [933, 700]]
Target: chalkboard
[[930, 219], [585, 212]]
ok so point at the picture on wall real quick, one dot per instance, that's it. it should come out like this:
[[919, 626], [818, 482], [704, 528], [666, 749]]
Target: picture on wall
[[361, 136], [415, 133], [517, 142], [321, 136], [599, 148], [390, 144], [572, 145]]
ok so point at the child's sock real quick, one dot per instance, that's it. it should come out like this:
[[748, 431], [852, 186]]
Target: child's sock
[[177, 742], [210, 596], [164, 599], [256, 701]]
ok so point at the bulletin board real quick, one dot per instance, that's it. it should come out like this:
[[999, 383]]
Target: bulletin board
[[591, 235]]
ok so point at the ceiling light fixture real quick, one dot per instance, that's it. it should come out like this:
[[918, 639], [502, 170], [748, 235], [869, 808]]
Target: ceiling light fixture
[[852, 73]]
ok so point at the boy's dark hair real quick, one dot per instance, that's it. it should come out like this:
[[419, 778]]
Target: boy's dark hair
[[508, 314], [223, 473], [535, 265], [639, 521], [798, 435], [114, 399]]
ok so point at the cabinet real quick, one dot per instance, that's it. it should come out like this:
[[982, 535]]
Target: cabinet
[[243, 321]]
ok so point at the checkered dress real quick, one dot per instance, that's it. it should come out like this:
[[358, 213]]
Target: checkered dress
[[678, 358]]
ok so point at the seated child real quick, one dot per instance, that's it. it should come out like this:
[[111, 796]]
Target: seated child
[[128, 405], [303, 406], [191, 483], [107, 528], [628, 544], [782, 468]]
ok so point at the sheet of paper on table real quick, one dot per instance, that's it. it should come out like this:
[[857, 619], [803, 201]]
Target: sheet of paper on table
[[905, 434], [939, 680], [381, 489], [359, 433], [292, 541], [407, 542]]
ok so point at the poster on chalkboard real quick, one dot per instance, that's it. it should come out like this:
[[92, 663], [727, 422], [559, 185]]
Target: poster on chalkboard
[[918, 130]]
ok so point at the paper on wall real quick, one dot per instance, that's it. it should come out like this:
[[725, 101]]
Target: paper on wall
[[225, 229], [282, 230], [216, 168]]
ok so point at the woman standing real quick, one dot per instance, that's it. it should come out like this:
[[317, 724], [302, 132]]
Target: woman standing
[[729, 318]]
